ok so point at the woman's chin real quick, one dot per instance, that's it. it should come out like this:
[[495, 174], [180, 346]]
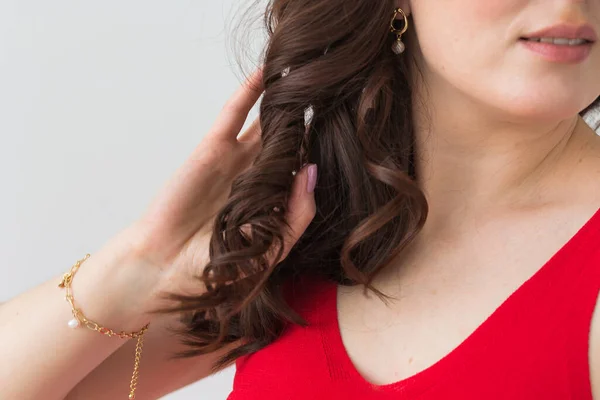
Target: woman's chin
[[543, 111]]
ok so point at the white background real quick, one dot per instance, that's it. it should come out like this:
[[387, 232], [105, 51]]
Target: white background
[[100, 102]]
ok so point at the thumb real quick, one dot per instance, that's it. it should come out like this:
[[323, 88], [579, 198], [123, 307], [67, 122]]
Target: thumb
[[301, 206]]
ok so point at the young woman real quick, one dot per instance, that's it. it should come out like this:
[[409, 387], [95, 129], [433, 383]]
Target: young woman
[[449, 249]]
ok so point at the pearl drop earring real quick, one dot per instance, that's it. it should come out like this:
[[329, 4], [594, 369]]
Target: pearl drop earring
[[398, 47]]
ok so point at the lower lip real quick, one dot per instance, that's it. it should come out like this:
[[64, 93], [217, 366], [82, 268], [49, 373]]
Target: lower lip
[[559, 53]]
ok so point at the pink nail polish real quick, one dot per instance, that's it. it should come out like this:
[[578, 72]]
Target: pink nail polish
[[312, 178]]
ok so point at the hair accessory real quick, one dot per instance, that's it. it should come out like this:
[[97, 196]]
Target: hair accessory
[[398, 47], [80, 320]]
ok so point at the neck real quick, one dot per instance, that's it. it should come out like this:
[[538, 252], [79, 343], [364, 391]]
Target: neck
[[470, 159]]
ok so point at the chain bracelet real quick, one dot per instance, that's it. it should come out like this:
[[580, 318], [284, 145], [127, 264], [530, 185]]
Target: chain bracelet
[[81, 320]]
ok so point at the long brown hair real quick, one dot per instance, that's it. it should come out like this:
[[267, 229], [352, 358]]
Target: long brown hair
[[340, 67]]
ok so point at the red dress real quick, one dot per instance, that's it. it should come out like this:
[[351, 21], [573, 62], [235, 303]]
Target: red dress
[[533, 346]]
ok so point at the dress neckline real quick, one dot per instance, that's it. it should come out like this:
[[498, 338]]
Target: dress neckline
[[435, 374]]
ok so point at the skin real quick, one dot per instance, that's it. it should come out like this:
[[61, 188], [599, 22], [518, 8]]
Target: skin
[[502, 154], [151, 256], [506, 164]]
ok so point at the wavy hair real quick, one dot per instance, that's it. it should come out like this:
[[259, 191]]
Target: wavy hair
[[335, 95]]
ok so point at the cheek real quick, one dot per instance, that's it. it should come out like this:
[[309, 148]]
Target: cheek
[[464, 32], [472, 46]]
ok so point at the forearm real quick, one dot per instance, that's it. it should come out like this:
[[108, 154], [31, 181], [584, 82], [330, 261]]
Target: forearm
[[42, 357]]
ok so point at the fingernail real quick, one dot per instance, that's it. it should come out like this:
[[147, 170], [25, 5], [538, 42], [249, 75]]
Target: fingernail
[[312, 178]]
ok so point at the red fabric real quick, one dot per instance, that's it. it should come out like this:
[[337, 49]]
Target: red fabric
[[534, 346]]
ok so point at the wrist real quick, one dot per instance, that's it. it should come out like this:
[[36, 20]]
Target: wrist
[[115, 287]]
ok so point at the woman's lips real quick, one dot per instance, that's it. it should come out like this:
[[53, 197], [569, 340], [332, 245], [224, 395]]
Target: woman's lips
[[559, 53], [563, 43]]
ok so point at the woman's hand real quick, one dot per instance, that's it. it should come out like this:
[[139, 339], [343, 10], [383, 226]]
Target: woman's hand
[[173, 234], [121, 283]]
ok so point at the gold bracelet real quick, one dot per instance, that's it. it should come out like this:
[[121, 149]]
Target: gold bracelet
[[80, 320]]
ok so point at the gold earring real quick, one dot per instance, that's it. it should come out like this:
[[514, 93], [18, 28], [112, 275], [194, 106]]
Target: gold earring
[[398, 46]]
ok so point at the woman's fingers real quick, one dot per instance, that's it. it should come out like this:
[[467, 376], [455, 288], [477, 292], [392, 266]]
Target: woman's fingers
[[231, 119], [301, 208], [251, 138]]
